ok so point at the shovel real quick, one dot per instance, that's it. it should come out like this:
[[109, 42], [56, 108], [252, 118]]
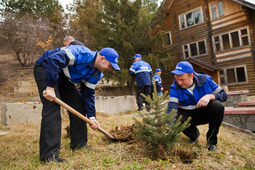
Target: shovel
[[76, 113]]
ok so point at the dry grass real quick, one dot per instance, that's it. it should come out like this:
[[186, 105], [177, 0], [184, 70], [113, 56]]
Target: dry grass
[[19, 149]]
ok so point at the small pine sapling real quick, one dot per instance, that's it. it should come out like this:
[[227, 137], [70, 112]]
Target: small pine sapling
[[159, 130]]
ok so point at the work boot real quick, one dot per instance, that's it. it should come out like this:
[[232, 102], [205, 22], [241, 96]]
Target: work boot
[[212, 147], [57, 160], [81, 147], [140, 108], [148, 109], [193, 141]]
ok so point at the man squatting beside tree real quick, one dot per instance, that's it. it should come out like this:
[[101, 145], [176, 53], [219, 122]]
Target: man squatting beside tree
[[197, 96], [55, 73]]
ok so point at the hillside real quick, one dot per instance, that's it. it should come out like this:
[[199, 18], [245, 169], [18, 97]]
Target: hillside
[[11, 73]]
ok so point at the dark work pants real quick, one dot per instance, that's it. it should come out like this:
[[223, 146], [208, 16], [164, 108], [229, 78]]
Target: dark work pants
[[146, 90], [50, 135], [212, 114]]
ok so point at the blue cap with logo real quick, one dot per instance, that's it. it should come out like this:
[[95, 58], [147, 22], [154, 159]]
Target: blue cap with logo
[[183, 67], [137, 56], [111, 55], [158, 70]]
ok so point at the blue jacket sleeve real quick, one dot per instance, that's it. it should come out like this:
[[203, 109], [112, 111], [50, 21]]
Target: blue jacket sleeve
[[88, 94], [173, 99], [218, 92], [88, 98], [55, 63], [132, 71]]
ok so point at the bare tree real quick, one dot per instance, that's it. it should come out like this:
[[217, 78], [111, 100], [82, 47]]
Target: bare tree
[[21, 35]]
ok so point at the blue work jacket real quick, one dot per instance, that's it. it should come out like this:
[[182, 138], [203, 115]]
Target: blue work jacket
[[141, 70], [77, 64], [182, 98], [158, 82]]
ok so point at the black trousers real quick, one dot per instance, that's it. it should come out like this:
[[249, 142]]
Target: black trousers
[[146, 90], [212, 114], [50, 135]]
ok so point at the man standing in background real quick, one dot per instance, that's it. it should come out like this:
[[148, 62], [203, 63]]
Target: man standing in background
[[142, 72], [69, 40], [158, 81]]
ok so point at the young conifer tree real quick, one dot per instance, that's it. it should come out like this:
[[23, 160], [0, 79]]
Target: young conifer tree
[[159, 130]]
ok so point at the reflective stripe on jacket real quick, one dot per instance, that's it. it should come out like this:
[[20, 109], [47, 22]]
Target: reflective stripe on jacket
[[141, 70]]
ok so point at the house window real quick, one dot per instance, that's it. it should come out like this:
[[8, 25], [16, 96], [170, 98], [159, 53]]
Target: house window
[[194, 49], [217, 43], [216, 9], [244, 35], [231, 40], [191, 18], [233, 75], [186, 51], [168, 39], [235, 39], [201, 46], [225, 42]]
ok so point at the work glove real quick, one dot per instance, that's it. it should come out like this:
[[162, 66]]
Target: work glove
[[96, 124]]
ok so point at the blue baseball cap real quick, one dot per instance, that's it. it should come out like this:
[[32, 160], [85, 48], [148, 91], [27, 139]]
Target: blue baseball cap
[[183, 67], [112, 56], [157, 70], [137, 56]]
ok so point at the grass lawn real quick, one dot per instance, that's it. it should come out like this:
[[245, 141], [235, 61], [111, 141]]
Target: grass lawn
[[19, 149]]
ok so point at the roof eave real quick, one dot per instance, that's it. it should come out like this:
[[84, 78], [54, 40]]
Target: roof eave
[[246, 3]]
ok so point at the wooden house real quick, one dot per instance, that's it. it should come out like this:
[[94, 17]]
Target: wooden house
[[216, 36]]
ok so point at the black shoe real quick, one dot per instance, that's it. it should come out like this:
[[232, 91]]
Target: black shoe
[[193, 141], [212, 147], [57, 160], [80, 147], [148, 109], [139, 109]]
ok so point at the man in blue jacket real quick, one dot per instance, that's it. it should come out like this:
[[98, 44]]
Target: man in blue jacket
[[197, 96], [158, 81], [56, 73], [141, 70]]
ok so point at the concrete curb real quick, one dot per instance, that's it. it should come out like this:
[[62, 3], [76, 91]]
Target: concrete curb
[[30, 112], [238, 128]]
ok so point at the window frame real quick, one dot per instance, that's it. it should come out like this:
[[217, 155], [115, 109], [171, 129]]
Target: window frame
[[216, 9], [168, 33], [224, 75], [231, 40], [197, 47], [184, 16]]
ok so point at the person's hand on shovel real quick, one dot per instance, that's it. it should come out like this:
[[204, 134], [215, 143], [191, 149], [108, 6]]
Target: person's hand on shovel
[[96, 124], [49, 93]]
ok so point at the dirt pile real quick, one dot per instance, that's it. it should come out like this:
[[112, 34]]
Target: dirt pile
[[124, 133]]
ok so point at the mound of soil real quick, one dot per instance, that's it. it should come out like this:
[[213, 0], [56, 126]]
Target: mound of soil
[[124, 133]]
